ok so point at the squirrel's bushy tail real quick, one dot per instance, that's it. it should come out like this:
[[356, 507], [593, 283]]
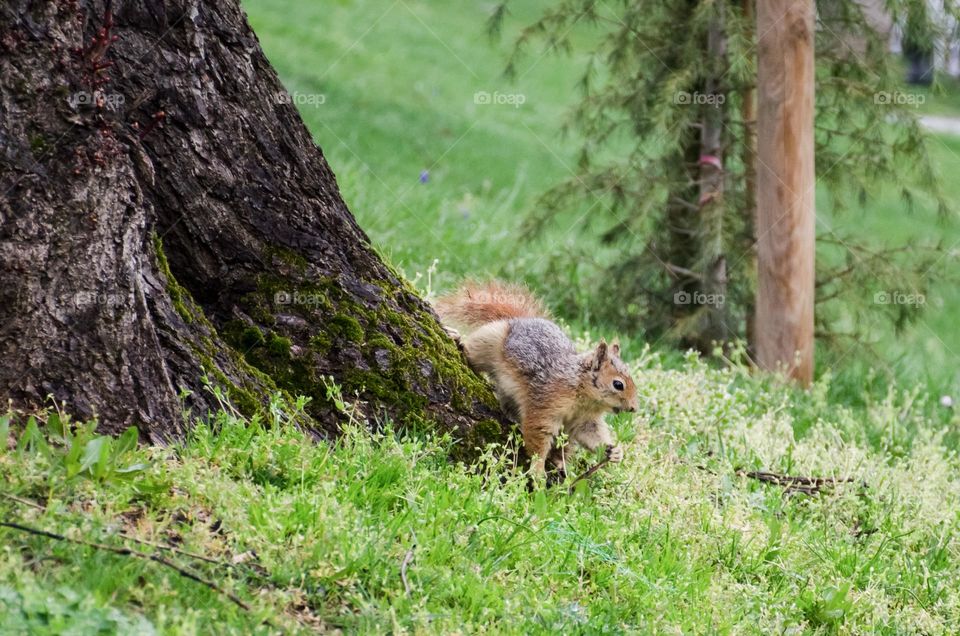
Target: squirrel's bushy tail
[[476, 303]]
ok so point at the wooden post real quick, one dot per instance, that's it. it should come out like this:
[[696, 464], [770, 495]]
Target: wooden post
[[785, 187]]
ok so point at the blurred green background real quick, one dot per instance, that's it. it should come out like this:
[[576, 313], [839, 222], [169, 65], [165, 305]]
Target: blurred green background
[[434, 176]]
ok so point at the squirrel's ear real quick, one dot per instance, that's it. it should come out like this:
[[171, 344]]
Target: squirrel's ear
[[600, 354], [615, 348]]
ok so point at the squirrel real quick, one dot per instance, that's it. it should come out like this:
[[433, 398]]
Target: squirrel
[[540, 378]]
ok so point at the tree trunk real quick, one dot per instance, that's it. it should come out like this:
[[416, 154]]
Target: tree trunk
[[748, 157], [713, 259], [166, 216], [682, 246], [785, 187]]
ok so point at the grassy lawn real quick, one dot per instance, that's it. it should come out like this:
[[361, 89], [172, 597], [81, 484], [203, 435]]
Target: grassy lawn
[[382, 534], [942, 99]]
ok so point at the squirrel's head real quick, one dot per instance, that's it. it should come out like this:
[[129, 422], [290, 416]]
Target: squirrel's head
[[607, 378]]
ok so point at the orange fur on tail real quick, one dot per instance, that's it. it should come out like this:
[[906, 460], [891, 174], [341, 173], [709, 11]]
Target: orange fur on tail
[[475, 304]]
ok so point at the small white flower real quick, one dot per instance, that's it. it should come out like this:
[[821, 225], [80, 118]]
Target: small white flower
[[946, 401]]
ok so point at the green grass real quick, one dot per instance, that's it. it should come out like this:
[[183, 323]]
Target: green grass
[[675, 539]]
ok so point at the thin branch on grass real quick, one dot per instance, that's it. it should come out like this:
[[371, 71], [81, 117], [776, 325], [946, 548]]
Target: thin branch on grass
[[246, 568], [132, 553], [407, 560], [795, 483], [790, 483], [192, 555], [21, 500]]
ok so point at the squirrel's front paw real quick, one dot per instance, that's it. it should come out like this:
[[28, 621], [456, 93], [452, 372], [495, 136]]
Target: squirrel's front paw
[[615, 454], [454, 335]]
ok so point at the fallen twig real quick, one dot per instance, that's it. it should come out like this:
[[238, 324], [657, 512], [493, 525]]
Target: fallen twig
[[600, 464], [21, 500], [123, 551], [790, 483], [795, 483], [407, 559], [244, 568], [247, 568]]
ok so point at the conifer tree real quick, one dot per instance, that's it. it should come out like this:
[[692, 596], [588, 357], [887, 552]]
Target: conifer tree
[[666, 113]]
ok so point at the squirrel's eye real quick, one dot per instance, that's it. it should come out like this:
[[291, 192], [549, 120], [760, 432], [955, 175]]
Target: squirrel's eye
[[618, 385]]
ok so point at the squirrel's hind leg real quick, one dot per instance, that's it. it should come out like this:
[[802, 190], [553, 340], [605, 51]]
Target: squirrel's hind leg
[[539, 429], [484, 351], [508, 400]]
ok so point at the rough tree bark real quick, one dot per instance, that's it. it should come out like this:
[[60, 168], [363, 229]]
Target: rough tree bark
[[165, 216]]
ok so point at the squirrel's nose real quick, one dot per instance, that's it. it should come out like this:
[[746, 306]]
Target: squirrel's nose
[[631, 409]]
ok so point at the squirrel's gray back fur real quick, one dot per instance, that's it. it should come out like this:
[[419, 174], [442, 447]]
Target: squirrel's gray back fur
[[541, 351]]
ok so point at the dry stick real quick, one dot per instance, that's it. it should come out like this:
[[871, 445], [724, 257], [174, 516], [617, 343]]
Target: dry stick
[[777, 478], [21, 500], [244, 567], [264, 578], [589, 472], [790, 483], [134, 553], [162, 546], [795, 483], [407, 558]]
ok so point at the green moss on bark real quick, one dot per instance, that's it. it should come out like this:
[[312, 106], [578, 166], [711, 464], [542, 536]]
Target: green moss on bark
[[287, 257], [403, 352], [346, 326], [249, 397], [479, 436], [178, 294], [279, 346], [396, 358]]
